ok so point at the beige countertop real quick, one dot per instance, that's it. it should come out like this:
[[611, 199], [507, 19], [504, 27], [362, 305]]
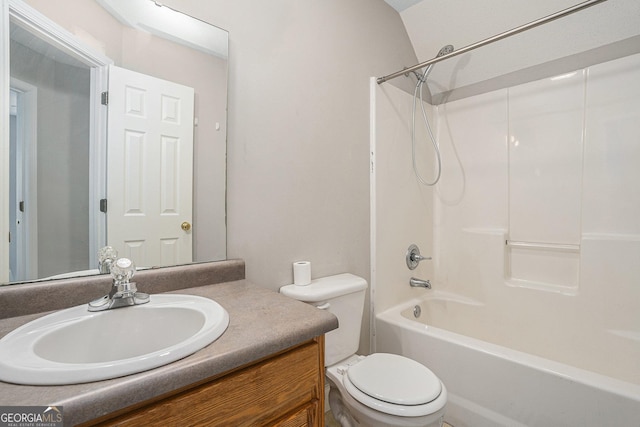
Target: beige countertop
[[262, 322]]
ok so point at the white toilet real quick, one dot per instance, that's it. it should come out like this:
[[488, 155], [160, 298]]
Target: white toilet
[[376, 390]]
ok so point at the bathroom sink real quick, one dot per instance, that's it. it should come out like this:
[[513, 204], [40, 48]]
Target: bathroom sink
[[76, 346]]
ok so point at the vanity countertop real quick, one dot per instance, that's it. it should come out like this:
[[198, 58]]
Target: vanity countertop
[[262, 322]]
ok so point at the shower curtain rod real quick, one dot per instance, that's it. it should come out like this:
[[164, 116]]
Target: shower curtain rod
[[495, 38]]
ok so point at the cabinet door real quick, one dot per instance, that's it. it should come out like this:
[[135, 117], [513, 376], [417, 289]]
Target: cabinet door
[[305, 417], [258, 395]]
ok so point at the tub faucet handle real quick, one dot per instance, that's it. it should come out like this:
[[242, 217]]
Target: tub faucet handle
[[418, 257], [413, 257]]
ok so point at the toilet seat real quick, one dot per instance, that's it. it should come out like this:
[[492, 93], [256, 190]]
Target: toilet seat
[[394, 385]]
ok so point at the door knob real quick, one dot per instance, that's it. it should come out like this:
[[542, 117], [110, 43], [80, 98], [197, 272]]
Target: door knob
[[185, 226]]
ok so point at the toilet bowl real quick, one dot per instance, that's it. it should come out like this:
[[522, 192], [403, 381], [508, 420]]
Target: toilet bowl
[[377, 390], [385, 390]]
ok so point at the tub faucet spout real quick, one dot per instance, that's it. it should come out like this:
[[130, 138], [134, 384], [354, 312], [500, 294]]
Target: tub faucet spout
[[419, 283]]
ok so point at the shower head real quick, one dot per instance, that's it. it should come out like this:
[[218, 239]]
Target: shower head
[[444, 51]]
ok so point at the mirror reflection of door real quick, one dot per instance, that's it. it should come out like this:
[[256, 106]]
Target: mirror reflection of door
[[150, 165]]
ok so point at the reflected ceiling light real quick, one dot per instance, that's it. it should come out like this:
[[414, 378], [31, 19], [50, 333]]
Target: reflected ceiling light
[[169, 24]]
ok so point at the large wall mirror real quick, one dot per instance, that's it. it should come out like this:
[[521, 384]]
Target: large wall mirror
[[113, 133]]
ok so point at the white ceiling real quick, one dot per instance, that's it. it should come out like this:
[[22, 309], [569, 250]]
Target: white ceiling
[[612, 27], [167, 23], [401, 5]]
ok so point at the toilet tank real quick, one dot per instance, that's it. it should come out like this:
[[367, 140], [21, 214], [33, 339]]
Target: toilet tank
[[342, 295]]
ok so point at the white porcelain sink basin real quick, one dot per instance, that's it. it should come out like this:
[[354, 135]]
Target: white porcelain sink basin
[[76, 346]]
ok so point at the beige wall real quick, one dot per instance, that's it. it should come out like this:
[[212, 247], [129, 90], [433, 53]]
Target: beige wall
[[298, 144], [298, 155]]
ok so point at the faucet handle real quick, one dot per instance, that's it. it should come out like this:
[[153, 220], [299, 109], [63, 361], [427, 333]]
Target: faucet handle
[[123, 270], [413, 257], [106, 257]]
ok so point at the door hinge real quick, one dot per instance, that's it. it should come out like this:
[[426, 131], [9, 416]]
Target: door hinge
[[104, 98], [103, 205]]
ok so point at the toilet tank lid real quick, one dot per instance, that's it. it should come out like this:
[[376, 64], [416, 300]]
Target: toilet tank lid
[[325, 288]]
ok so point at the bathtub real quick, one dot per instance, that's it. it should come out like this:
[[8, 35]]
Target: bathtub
[[493, 385]]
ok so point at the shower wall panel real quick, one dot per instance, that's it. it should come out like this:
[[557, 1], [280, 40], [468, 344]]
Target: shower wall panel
[[612, 158], [555, 188], [546, 122], [545, 144]]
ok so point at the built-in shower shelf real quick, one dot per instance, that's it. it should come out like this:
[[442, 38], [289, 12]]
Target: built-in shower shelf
[[551, 267], [543, 246]]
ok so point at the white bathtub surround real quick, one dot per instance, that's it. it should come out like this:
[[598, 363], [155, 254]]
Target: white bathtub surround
[[535, 219], [396, 195], [569, 189]]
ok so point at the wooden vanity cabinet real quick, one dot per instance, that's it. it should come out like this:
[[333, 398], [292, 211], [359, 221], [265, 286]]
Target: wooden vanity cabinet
[[286, 389]]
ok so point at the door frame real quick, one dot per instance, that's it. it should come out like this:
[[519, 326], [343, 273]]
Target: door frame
[[26, 166], [20, 13]]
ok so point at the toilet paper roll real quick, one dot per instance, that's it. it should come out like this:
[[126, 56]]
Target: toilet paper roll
[[302, 273]]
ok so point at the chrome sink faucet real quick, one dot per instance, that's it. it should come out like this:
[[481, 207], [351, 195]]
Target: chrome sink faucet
[[419, 283], [123, 292]]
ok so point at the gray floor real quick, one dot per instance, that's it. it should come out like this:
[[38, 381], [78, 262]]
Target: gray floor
[[330, 422]]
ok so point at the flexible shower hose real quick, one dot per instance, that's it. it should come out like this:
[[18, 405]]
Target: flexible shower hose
[[421, 81]]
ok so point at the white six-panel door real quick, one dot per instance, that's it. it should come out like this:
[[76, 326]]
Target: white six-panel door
[[150, 168]]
